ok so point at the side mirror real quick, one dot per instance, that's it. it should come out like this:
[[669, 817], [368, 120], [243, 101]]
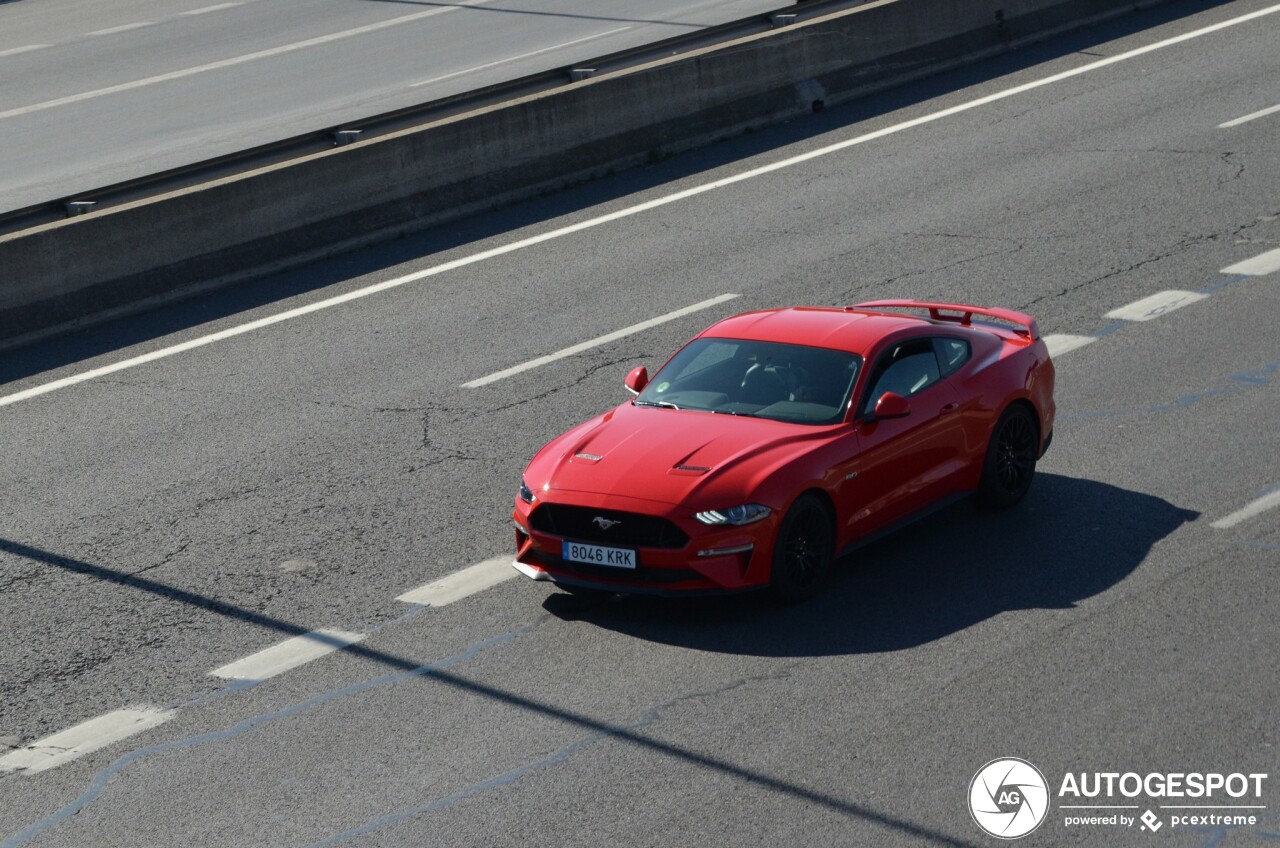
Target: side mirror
[[637, 379], [892, 405]]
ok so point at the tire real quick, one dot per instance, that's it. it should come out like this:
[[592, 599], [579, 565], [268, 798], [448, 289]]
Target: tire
[[803, 551], [1010, 463]]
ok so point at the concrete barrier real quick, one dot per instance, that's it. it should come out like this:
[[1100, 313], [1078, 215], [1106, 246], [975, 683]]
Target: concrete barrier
[[92, 267]]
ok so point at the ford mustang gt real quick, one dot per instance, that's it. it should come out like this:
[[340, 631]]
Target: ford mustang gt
[[775, 441]]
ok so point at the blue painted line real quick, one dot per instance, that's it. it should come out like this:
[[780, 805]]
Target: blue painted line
[[1253, 543], [1111, 328], [1239, 278], [1263, 376]]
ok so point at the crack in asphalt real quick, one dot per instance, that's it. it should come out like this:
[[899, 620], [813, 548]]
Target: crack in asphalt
[[1012, 246], [1174, 250]]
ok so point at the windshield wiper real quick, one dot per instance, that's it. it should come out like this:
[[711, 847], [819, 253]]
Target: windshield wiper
[[738, 414], [661, 403]]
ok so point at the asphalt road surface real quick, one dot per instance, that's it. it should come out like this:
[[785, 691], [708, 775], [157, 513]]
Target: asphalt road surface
[[178, 502], [95, 93]]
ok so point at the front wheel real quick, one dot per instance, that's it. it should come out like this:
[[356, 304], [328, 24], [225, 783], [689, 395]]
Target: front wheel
[[803, 551], [1010, 463]]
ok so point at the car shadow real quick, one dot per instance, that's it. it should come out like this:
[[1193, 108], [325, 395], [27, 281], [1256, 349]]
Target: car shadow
[[1069, 540]]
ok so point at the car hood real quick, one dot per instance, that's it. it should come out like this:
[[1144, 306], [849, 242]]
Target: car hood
[[667, 455]]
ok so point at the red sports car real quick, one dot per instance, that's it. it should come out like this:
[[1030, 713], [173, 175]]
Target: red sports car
[[776, 440]]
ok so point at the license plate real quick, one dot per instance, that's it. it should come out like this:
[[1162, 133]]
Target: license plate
[[597, 555]]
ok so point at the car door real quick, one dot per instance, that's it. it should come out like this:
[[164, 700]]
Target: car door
[[902, 464]]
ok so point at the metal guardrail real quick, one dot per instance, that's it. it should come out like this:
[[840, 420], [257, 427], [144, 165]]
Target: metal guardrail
[[105, 197]]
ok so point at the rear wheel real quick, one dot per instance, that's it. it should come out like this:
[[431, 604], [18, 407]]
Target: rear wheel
[[803, 551], [1010, 463]]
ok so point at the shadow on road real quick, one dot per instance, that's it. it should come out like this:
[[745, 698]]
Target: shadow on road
[[1070, 539], [634, 735]]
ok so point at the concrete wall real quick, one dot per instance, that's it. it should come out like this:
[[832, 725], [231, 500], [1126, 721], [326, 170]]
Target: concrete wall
[[122, 259]]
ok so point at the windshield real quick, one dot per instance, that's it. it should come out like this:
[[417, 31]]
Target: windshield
[[785, 382]]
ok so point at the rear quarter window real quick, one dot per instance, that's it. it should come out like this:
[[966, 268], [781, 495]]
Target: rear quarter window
[[952, 353]]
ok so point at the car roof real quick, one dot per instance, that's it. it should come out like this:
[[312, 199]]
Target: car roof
[[840, 328]]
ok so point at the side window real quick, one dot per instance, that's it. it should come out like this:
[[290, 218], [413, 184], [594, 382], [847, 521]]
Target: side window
[[952, 353], [907, 369]]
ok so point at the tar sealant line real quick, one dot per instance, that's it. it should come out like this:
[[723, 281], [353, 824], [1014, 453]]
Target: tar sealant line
[[100, 781]]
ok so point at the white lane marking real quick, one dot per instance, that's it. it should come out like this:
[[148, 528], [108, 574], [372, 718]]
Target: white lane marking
[[14, 51], [1262, 504], [1261, 113], [613, 216], [1160, 303], [462, 583], [82, 739], [1060, 343], [218, 8], [238, 60], [518, 58], [122, 28], [597, 341], [1264, 263], [287, 655]]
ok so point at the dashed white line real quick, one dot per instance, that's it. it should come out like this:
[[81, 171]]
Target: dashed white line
[[518, 58], [460, 584], [14, 51], [1160, 303], [82, 739], [218, 8], [1257, 507], [287, 655], [602, 219], [1264, 263], [237, 60], [122, 28], [1253, 116], [597, 341], [1060, 343]]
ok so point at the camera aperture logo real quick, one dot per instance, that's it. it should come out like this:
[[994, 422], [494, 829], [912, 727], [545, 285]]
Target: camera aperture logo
[[1009, 798]]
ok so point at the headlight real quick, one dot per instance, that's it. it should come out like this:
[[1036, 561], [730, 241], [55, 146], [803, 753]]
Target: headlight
[[526, 494], [737, 516]]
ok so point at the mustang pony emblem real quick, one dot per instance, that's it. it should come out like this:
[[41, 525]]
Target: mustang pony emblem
[[604, 523]]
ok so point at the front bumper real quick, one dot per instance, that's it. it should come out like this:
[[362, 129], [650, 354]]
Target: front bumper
[[714, 560]]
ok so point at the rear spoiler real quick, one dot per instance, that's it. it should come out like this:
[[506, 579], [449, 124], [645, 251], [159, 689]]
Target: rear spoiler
[[1025, 324]]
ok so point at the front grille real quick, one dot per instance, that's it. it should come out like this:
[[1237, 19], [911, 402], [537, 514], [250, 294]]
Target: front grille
[[631, 530]]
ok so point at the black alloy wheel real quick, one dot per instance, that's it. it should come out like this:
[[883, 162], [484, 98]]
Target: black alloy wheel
[[803, 552], [1011, 458]]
